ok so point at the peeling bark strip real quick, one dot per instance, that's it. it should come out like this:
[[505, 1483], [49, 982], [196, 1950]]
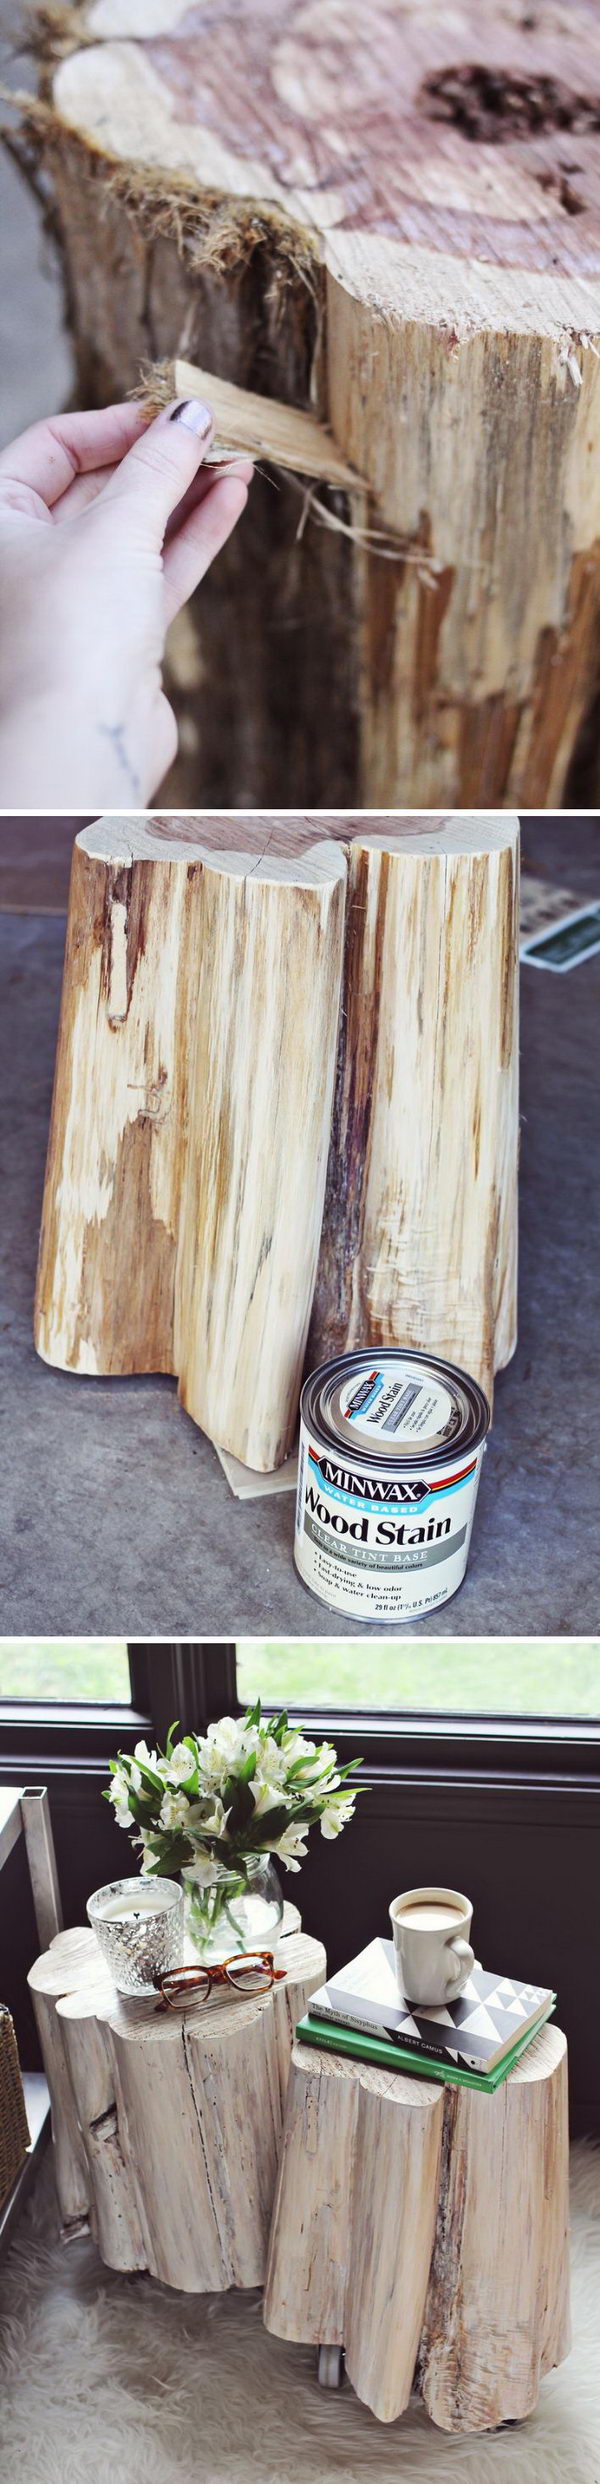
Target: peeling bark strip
[[426, 2230], [419, 1242], [369, 217], [179, 2119], [219, 1164]]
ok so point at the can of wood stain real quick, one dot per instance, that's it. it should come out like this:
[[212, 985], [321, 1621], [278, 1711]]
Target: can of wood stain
[[391, 1447]]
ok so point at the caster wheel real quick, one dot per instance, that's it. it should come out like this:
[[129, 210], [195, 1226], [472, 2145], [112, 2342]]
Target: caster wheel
[[330, 2367]]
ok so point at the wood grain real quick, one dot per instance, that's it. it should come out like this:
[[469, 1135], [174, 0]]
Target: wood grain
[[267, 1011], [426, 2230], [419, 1243], [389, 221], [178, 2118], [356, 2203], [183, 1209]]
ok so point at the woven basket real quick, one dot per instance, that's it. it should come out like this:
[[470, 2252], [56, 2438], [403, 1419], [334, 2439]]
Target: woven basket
[[14, 2129]]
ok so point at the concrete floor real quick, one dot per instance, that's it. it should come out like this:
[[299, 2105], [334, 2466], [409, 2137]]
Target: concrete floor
[[116, 1515]]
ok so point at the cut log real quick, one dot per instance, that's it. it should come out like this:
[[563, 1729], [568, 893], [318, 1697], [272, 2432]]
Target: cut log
[[68, 1960], [179, 2117], [426, 2230], [184, 1201], [419, 1242], [356, 2204], [391, 218], [194, 1129], [497, 2314]]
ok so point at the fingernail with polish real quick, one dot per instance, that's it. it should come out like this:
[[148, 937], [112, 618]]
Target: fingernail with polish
[[195, 416]]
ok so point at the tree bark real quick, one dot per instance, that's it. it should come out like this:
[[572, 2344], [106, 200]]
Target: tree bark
[[396, 224], [178, 2119], [426, 2230]]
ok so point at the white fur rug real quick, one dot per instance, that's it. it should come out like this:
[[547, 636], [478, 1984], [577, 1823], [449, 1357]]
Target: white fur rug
[[112, 2380]]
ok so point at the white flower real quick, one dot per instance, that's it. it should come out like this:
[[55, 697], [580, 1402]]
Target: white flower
[[123, 1814], [203, 1872], [265, 1797], [291, 1848], [336, 1813], [173, 1811], [206, 1818], [181, 1764], [296, 1746], [149, 1758], [272, 1762], [222, 1748], [119, 1795]]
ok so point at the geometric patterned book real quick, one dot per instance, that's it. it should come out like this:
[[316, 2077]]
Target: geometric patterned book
[[474, 2032], [392, 2055]]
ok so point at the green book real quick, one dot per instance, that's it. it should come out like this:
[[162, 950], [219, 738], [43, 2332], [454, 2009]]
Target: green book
[[330, 2037]]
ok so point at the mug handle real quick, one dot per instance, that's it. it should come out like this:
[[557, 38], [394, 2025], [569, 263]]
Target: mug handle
[[461, 1951]]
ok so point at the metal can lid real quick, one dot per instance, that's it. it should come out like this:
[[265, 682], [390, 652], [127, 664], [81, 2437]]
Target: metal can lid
[[396, 1407]]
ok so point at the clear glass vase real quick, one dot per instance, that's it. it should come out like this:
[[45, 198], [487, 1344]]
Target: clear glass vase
[[243, 1909]]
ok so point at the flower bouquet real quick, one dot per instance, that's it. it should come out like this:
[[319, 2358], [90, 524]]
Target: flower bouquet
[[217, 1808]]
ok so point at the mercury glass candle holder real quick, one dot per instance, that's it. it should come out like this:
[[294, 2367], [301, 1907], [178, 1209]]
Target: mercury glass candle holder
[[139, 1926]]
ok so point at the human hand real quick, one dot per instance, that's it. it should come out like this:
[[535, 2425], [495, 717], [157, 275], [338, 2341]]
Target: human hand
[[107, 524]]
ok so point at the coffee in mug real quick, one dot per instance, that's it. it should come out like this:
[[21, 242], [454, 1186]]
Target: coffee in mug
[[432, 1952]]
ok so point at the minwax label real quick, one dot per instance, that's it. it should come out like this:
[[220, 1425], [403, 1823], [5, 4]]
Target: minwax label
[[378, 1534], [396, 1405]]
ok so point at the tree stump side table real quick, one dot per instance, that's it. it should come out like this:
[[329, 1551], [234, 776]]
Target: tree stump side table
[[424, 2229], [167, 2130], [286, 1093]]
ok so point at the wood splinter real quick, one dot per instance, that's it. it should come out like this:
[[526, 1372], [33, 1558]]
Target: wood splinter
[[257, 427]]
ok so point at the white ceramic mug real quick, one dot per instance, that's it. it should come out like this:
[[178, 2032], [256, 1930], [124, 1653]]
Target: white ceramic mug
[[432, 1951]]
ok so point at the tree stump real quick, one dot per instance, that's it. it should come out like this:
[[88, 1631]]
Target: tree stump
[[425, 2230], [419, 1240], [391, 218], [229, 1147], [174, 2122]]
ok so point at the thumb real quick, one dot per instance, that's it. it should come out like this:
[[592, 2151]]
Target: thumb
[[158, 470]]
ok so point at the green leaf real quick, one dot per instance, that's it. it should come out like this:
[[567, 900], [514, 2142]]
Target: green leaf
[[173, 1852], [173, 1730], [238, 1801], [278, 1726], [143, 1806], [247, 1769], [271, 1825], [252, 1716], [150, 1778]]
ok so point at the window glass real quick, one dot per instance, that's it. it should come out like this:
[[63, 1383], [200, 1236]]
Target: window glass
[[65, 1669], [498, 1677]]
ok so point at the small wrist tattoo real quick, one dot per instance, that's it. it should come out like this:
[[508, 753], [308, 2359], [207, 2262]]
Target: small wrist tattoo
[[116, 735]]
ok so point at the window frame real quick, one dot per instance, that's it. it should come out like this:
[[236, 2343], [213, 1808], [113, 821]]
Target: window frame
[[195, 1681], [191, 1680]]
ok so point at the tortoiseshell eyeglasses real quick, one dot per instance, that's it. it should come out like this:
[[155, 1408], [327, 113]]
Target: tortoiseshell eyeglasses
[[252, 1971]]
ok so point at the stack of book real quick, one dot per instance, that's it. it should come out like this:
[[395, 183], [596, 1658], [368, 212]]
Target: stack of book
[[475, 2040]]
